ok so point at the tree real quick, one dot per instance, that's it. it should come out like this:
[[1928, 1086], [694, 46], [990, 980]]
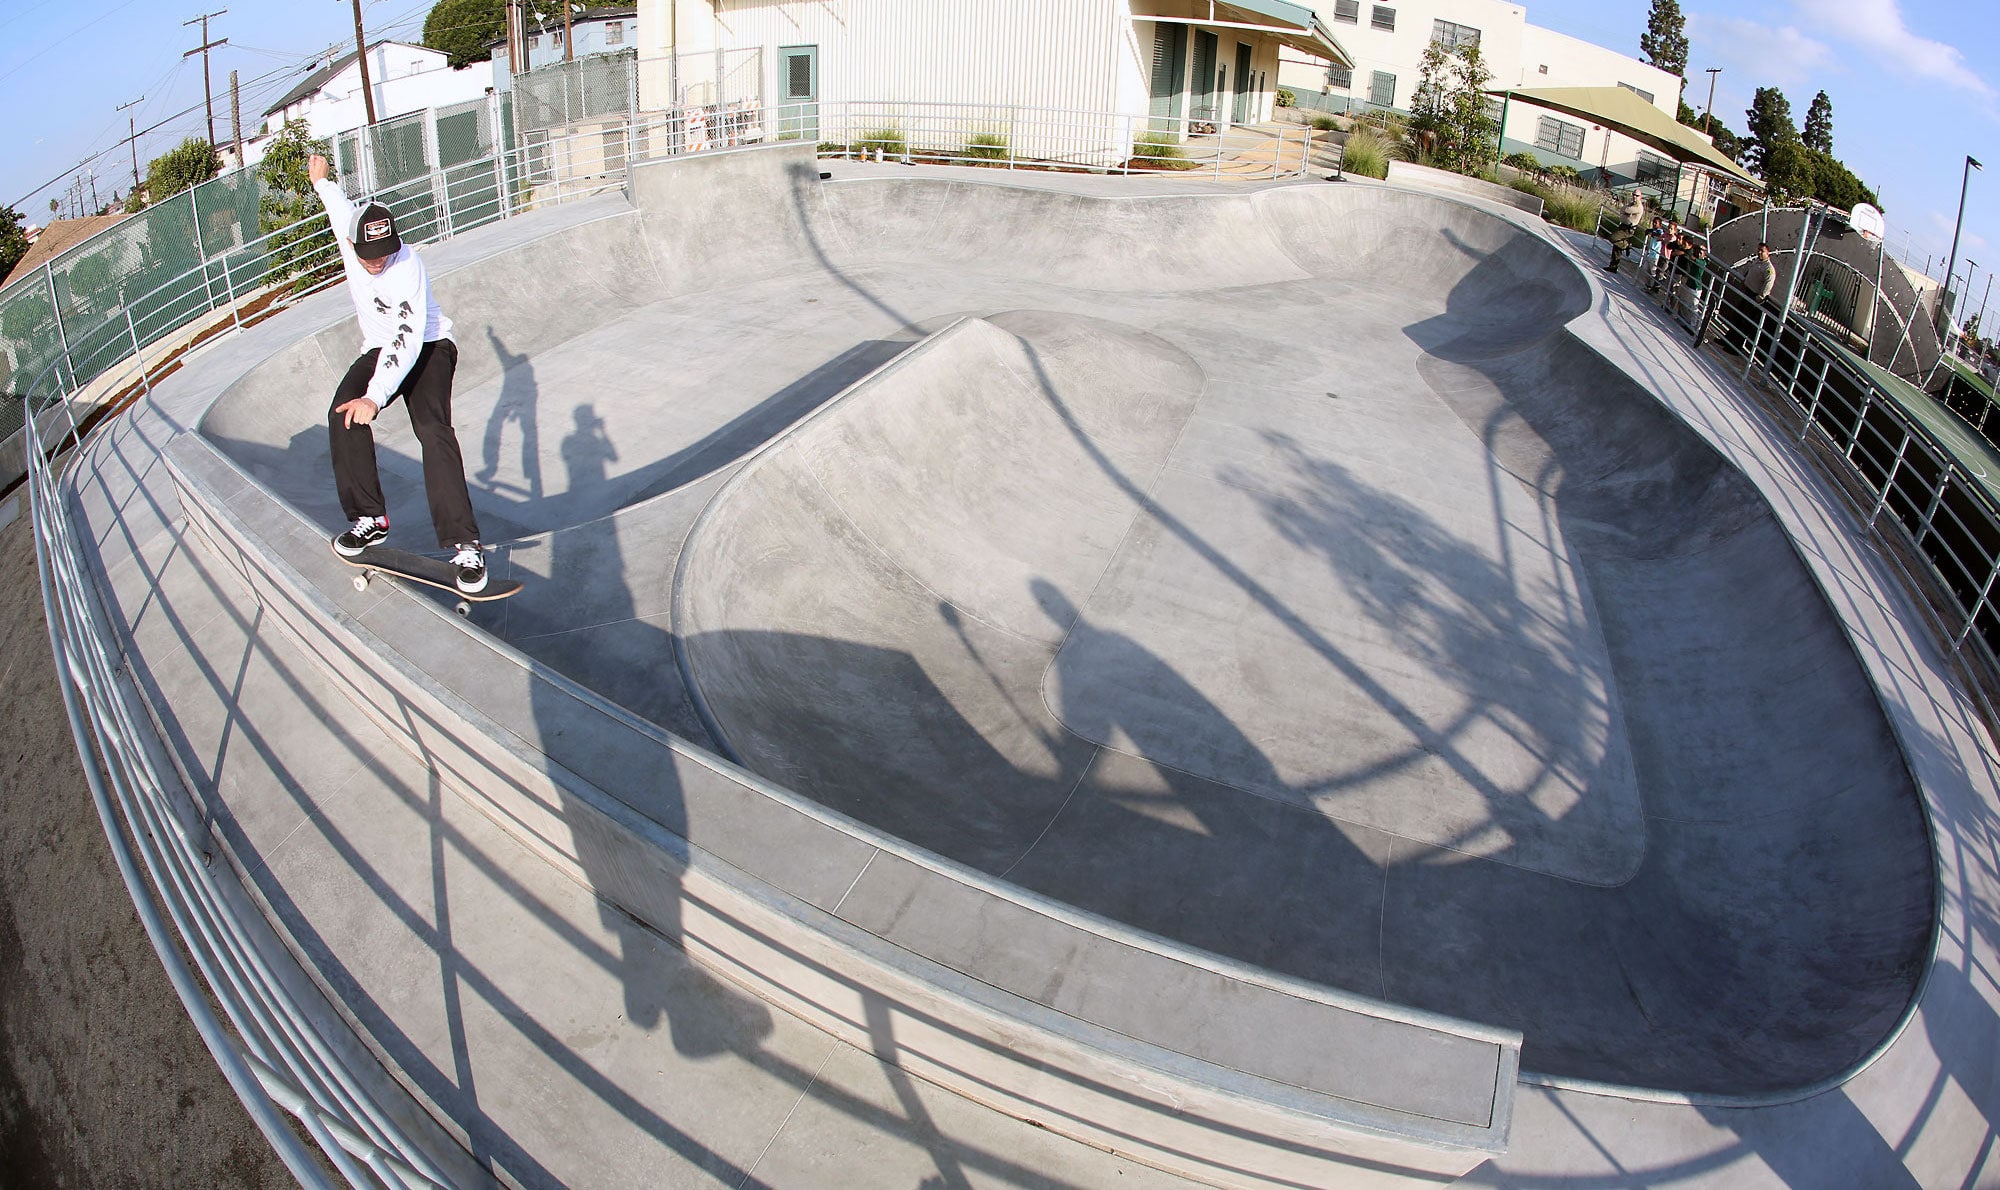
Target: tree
[[183, 167], [1665, 41], [1836, 185], [302, 239], [1769, 125], [13, 240], [1819, 124], [1449, 112], [465, 30]]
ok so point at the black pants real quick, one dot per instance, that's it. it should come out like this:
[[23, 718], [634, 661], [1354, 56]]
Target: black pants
[[426, 391]]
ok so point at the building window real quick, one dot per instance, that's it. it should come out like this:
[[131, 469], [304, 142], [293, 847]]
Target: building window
[[555, 37], [614, 33], [534, 42], [1340, 76], [1382, 90], [1560, 137], [1652, 166], [1645, 95], [1451, 35], [1383, 18], [1348, 12]]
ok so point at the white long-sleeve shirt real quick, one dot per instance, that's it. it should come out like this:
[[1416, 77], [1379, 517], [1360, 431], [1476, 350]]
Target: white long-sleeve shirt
[[395, 308]]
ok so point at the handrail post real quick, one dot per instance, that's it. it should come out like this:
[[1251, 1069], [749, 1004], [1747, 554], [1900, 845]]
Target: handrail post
[[62, 336], [145, 379]]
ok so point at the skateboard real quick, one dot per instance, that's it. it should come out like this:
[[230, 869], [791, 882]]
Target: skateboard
[[431, 572]]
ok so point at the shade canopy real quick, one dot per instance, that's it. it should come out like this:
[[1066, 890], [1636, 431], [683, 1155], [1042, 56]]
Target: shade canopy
[[1623, 111], [1296, 26]]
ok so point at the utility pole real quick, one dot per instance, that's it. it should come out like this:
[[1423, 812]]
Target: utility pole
[[207, 93], [132, 124], [569, 54], [361, 56], [513, 47], [236, 119], [1708, 117]]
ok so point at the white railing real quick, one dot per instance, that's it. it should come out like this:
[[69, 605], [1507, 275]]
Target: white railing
[[275, 1059], [1011, 136]]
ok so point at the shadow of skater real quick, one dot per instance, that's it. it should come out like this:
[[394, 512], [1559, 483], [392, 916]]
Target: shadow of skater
[[703, 1015], [1202, 861], [519, 395]]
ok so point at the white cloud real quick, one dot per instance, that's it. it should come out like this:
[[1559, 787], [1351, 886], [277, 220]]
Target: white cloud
[[1779, 56], [1971, 243], [1876, 28]]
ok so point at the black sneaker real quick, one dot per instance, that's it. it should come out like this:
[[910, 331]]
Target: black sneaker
[[367, 531], [470, 565]]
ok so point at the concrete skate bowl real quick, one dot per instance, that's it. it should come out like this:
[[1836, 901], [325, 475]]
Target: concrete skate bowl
[[1170, 706], [1612, 777]]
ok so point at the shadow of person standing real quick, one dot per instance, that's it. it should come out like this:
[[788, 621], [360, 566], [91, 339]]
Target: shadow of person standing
[[704, 1016], [519, 396]]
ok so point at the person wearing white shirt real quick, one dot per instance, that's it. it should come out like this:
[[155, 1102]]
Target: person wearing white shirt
[[408, 353]]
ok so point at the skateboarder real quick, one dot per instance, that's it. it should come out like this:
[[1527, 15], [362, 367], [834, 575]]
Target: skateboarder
[[408, 352]]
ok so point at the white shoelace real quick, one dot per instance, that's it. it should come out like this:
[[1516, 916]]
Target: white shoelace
[[364, 525], [468, 555]]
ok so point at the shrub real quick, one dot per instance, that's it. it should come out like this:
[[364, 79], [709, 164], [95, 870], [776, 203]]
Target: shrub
[[889, 139], [1325, 123], [1159, 150], [1573, 209], [1565, 174], [986, 146], [1528, 186], [1286, 98], [1527, 162], [829, 148], [1365, 154]]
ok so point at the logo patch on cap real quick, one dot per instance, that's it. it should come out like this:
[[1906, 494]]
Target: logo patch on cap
[[376, 229]]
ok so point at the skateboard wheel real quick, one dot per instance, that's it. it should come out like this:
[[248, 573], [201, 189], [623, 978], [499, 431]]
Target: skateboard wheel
[[463, 608], [361, 582]]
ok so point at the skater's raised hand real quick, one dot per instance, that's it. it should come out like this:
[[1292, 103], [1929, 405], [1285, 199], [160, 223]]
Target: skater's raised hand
[[316, 168]]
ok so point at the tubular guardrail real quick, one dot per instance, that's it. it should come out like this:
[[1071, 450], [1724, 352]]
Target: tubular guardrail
[[1933, 495], [1010, 136], [275, 1060]]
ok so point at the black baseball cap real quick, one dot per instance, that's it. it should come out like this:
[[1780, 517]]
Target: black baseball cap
[[374, 232]]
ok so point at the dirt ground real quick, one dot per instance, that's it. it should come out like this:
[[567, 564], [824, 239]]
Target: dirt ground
[[103, 1079]]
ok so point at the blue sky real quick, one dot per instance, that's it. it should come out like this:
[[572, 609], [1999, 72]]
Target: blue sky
[[1915, 84]]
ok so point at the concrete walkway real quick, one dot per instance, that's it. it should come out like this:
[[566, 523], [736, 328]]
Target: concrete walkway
[[1438, 655]]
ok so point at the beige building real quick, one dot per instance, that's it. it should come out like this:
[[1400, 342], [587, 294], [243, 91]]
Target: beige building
[[1388, 40]]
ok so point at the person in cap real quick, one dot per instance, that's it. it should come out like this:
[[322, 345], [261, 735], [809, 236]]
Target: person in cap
[[407, 353]]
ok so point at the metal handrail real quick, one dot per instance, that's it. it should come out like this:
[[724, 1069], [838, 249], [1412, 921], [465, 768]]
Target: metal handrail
[[275, 1060], [1882, 444]]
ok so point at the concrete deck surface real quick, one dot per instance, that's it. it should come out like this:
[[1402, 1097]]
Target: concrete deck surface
[[1349, 588]]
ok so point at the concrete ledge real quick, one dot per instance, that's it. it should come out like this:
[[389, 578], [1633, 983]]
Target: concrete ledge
[[1410, 174], [1173, 1057]]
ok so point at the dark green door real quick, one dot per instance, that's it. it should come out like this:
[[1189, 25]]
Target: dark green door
[[1241, 112], [1169, 66], [1204, 78]]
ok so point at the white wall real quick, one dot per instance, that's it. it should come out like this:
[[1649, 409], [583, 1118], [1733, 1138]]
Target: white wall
[[1572, 62], [404, 78], [1401, 52]]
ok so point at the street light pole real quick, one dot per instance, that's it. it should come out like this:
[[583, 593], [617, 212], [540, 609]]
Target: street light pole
[[1944, 303], [1708, 117]]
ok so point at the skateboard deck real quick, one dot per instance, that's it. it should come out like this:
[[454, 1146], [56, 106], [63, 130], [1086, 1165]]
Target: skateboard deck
[[416, 568]]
